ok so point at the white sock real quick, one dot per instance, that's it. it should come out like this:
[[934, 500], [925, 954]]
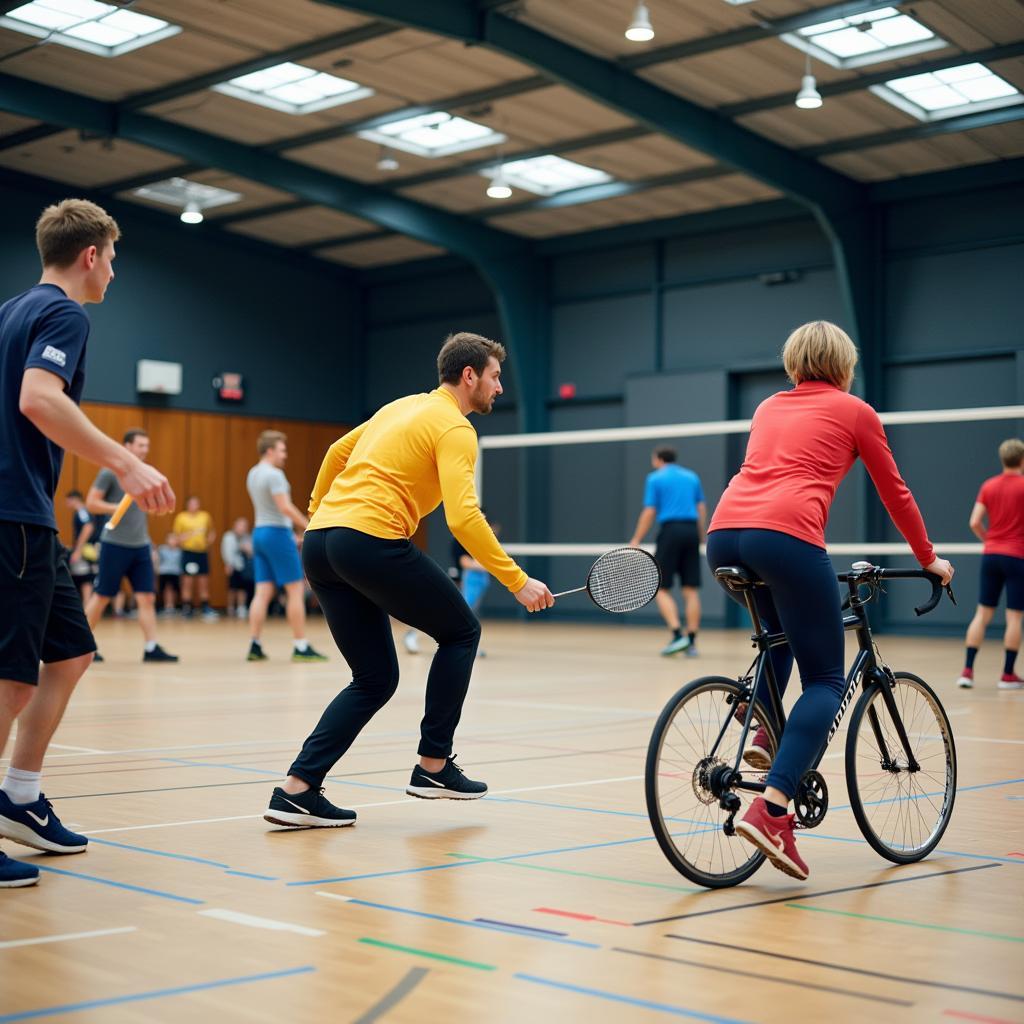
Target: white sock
[[150, 646], [301, 645], [22, 787]]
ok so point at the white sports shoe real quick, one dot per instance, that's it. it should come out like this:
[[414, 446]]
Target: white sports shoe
[[411, 641]]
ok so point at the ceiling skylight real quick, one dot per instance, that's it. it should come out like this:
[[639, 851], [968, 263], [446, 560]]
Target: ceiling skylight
[[294, 89], [181, 193], [852, 42], [940, 94], [87, 25], [547, 175], [434, 134]]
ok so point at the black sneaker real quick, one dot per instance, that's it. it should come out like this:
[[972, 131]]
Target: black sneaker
[[158, 654], [306, 810], [15, 873], [309, 654], [255, 652], [450, 783], [37, 825], [97, 657]]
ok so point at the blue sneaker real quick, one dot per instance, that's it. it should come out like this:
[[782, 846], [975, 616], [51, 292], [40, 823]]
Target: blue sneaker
[[15, 873], [36, 825]]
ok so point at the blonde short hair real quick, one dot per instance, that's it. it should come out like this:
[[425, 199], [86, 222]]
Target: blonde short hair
[[66, 228], [820, 351], [1011, 452], [268, 439]]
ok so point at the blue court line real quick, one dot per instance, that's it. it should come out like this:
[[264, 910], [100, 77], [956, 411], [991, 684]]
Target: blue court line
[[615, 997], [489, 860], [921, 796], [270, 773], [183, 856], [249, 874], [939, 851], [491, 927], [519, 927], [160, 993], [120, 885]]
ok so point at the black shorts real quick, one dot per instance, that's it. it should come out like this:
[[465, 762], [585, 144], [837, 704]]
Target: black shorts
[[240, 581], [41, 614], [169, 579], [195, 563], [678, 553], [998, 571], [117, 562]]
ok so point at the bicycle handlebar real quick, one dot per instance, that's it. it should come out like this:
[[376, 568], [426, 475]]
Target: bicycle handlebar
[[876, 573]]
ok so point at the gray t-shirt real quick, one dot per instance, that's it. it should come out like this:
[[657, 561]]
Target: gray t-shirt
[[133, 530], [263, 482]]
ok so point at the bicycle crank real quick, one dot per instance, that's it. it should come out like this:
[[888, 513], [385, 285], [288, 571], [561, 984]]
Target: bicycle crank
[[811, 800]]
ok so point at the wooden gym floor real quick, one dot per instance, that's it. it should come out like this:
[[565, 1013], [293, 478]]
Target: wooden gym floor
[[522, 906]]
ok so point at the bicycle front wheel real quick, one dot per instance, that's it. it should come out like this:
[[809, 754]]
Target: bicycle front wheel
[[684, 812], [902, 811]]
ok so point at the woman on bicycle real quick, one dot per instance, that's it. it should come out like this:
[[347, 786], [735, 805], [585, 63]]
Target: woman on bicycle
[[771, 519]]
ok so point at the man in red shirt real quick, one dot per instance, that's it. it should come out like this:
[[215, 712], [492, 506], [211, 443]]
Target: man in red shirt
[[1001, 502]]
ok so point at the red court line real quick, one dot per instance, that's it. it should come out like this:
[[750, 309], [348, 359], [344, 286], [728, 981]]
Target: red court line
[[1015, 854], [580, 917], [976, 1017]]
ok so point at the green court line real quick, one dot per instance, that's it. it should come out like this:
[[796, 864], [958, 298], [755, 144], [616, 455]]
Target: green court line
[[427, 953], [578, 874], [911, 924]]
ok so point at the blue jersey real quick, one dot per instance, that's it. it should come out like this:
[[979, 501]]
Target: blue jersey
[[674, 491], [40, 328]]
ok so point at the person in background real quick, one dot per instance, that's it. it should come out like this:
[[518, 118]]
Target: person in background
[[674, 497], [1001, 502], [194, 528], [169, 567], [472, 578], [236, 554], [84, 553]]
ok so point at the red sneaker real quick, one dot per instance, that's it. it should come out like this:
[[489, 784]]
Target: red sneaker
[[757, 755], [774, 838], [966, 680], [1011, 681]]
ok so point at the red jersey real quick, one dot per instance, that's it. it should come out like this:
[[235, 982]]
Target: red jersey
[[1003, 498], [802, 443]]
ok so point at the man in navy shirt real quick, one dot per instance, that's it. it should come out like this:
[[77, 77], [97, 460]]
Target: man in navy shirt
[[43, 334], [674, 497]]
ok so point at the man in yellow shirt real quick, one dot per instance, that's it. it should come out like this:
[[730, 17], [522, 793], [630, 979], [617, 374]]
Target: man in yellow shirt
[[194, 528], [375, 485]]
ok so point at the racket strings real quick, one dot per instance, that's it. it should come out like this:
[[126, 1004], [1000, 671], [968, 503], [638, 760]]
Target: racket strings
[[624, 580]]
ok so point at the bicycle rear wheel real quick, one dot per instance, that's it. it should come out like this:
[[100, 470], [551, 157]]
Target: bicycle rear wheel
[[684, 813], [902, 813]]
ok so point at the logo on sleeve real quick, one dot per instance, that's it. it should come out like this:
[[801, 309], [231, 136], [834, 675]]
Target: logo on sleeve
[[55, 355]]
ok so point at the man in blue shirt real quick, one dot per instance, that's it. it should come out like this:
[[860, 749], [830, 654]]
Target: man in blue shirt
[[43, 334], [674, 497]]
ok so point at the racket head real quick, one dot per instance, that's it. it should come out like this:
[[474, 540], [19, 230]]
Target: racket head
[[623, 580]]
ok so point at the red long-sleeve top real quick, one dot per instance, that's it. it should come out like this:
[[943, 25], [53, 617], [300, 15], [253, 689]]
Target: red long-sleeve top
[[802, 443]]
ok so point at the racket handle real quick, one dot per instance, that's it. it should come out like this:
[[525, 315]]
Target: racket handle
[[122, 507], [564, 593]]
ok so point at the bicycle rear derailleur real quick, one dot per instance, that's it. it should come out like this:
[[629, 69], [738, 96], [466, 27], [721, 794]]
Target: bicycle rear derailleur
[[811, 800]]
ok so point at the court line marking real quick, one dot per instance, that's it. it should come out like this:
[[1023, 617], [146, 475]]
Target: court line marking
[[336, 896], [121, 885], [519, 927], [250, 921], [80, 750], [160, 993], [579, 917], [909, 924], [816, 895], [976, 1017], [391, 999], [615, 997], [864, 972], [420, 952], [764, 977], [68, 937], [940, 851], [508, 930]]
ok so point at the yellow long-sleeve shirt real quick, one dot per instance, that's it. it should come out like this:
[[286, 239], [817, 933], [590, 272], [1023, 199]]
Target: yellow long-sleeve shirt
[[388, 473]]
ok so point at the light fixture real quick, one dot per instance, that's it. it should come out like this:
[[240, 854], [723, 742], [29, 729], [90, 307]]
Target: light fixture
[[808, 98], [293, 89], [640, 28], [545, 175], [949, 92], [192, 214], [431, 135], [386, 161], [499, 187]]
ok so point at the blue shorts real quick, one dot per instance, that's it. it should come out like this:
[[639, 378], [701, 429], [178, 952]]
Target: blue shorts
[[275, 556], [474, 584], [998, 571], [117, 561]]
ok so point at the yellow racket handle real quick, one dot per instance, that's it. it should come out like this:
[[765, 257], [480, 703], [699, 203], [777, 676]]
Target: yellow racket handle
[[122, 507]]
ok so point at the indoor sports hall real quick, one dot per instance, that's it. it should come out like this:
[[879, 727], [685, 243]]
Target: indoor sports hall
[[518, 394]]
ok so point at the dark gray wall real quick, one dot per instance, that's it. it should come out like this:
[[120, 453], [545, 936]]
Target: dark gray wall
[[686, 328], [182, 295]]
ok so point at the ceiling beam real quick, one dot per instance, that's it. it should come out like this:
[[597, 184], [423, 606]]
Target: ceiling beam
[[27, 135], [301, 51]]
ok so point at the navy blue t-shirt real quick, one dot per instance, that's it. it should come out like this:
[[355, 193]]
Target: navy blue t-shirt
[[40, 328]]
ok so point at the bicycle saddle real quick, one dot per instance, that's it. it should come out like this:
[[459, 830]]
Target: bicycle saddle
[[736, 577]]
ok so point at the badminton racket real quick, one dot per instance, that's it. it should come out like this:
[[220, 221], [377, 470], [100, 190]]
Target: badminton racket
[[621, 580]]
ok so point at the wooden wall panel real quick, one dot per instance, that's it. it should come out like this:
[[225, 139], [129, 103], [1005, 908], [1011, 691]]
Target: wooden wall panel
[[206, 477]]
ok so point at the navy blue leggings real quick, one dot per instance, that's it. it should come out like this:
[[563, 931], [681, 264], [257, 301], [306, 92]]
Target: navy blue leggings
[[802, 600]]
